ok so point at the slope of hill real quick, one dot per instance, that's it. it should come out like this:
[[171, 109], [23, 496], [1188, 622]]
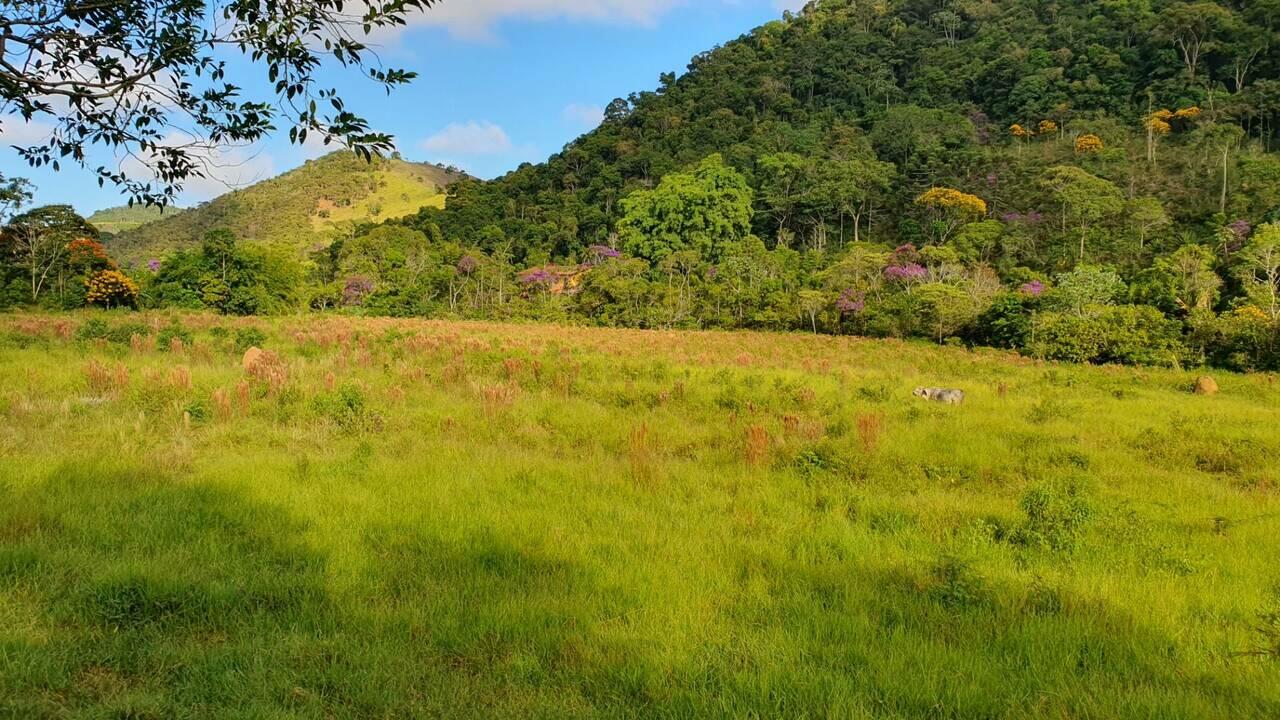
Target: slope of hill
[[932, 88], [124, 218], [300, 209]]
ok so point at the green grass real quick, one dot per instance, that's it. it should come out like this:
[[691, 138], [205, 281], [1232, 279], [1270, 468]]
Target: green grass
[[431, 519]]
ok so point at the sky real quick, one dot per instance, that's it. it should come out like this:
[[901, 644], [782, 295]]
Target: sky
[[501, 82]]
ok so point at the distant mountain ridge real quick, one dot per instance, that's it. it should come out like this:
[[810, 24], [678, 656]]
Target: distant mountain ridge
[[299, 210]]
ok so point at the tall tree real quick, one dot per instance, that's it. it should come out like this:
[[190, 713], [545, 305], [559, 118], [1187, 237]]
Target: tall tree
[[38, 241], [1084, 198]]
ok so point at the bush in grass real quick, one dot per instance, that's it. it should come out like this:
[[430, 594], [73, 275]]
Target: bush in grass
[[955, 585], [248, 337], [1056, 518], [347, 408], [1007, 323], [169, 334], [99, 329]]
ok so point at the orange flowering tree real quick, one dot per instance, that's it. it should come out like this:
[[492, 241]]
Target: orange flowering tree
[[949, 209], [87, 254], [111, 288]]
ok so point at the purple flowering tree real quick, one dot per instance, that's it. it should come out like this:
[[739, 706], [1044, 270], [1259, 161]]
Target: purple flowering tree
[[356, 289]]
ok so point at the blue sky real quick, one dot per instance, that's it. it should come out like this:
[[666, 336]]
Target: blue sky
[[501, 82]]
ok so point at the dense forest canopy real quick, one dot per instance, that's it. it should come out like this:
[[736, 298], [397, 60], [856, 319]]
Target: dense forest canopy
[[933, 88], [1085, 181]]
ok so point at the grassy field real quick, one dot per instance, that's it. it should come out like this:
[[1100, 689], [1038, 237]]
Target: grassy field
[[396, 519]]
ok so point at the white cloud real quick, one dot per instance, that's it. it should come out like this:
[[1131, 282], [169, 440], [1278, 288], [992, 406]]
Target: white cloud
[[14, 131], [225, 168], [588, 116], [472, 138], [475, 18]]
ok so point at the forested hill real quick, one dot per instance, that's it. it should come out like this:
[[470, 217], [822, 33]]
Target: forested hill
[[933, 87], [298, 210], [1084, 181]]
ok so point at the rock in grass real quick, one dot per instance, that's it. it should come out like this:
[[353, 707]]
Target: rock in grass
[[942, 395], [1206, 386]]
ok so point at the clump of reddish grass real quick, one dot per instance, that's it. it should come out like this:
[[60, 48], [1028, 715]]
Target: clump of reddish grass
[[512, 367], [791, 424], [242, 397], [221, 401], [142, 343], [176, 346], [271, 370], [330, 380], [497, 397], [756, 446], [106, 381], [455, 372], [870, 429], [180, 377]]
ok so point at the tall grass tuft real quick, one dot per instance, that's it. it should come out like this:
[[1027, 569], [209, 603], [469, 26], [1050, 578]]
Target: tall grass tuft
[[640, 453], [180, 378], [221, 401], [870, 428], [756, 446]]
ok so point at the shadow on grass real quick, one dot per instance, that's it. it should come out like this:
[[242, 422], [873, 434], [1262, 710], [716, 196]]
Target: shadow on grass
[[139, 597], [150, 598]]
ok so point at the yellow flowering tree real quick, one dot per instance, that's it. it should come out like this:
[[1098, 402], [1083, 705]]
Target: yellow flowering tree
[[1020, 135], [1161, 122], [1089, 145], [949, 209], [111, 288], [1048, 127]]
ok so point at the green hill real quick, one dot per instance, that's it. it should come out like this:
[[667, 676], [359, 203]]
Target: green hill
[[799, 106], [124, 218], [300, 209]]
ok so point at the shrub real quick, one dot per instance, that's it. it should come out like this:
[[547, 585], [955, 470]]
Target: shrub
[[173, 332], [347, 408], [1127, 334], [955, 585], [1007, 323], [111, 288], [248, 337], [1056, 518], [93, 329], [99, 329]]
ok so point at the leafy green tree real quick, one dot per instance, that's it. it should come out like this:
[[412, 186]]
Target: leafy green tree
[[37, 242], [785, 180], [1259, 270], [703, 209], [14, 194], [1184, 280], [229, 277], [1085, 287], [1084, 199]]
